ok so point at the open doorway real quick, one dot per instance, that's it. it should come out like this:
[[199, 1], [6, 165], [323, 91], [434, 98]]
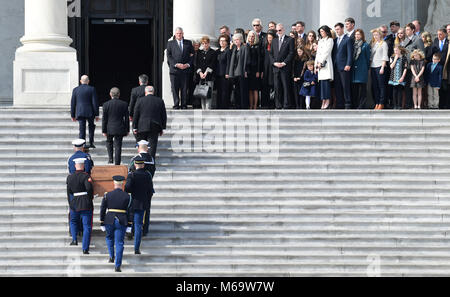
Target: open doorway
[[118, 54]]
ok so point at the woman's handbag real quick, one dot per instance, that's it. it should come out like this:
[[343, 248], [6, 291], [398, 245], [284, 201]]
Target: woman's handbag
[[203, 90]]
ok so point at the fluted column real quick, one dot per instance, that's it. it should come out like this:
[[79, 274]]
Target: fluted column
[[334, 11], [45, 67], [197, 18]]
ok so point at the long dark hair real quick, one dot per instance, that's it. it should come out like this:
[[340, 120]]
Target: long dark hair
[[327, 30]]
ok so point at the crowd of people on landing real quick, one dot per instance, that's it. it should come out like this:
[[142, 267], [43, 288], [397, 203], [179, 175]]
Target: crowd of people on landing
[[254, 69]]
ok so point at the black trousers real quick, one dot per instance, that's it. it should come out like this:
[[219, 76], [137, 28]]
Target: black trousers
[[223, 92], [241, 93], [179, 84], [397, 96], [114, 144], [152, 137], [265, 94], [444, 95], [343, 89], [359, 95], [281, 80], [82, 126], [299, 100]]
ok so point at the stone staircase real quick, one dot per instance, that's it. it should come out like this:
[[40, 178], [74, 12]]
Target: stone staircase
[[243, 193]]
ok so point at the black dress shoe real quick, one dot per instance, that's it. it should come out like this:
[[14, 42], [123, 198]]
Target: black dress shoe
[[176, 107], [91, 145], [117, 269], [184, 107], [86, 252], [74, 242], [137, 252], [111, 260]]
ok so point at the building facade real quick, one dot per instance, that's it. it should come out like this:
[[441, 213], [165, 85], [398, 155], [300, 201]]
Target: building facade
[[113, 41]]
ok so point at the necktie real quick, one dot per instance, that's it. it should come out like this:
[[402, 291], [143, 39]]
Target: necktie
[[181, 44], [280, 43], [442, 45]]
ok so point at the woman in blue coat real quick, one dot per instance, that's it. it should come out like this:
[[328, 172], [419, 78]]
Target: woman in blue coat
[[360, 69]]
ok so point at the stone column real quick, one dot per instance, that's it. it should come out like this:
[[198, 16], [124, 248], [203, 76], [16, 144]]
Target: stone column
[[45, 67], [335, 11], [197, 18]]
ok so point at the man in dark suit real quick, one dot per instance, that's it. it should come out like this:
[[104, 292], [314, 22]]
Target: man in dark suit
[[440, 45], [115, 125], [150, 119], [300, 29], [180, 53], [257, 27], [84, 107], [343, 61], [350, 27], [137, 93], [282, 53]]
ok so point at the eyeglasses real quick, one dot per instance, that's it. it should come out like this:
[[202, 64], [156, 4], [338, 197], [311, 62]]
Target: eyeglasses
[[279, 30], [256, 25], [384, 32]]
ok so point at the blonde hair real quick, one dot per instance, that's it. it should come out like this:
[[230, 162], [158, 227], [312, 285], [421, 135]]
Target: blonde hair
[[376, 30], [417, 52], [428, 39], [256, 37]]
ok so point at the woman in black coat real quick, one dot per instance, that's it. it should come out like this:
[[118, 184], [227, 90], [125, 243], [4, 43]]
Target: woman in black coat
[[222, 77], [254, 75], [267, 75], [205, 67]]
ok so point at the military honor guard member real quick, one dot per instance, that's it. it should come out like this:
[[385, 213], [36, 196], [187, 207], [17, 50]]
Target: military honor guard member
[[80, 198], [140, 186], [79, 146], [116, 220], [143, 151]]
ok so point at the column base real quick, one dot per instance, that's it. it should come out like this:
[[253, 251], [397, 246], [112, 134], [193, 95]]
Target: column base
[[166, 85], [44, 79]]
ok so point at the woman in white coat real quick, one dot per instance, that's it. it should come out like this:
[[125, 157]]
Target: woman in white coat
[[324, 65]]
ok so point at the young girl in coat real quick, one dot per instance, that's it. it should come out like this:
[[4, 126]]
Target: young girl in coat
[[399, 68], [418, 80], [310, 81]]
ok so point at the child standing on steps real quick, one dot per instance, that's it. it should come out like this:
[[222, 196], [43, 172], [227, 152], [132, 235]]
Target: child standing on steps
[[433, 77], [418, 80], [310, 80], [399, 68]]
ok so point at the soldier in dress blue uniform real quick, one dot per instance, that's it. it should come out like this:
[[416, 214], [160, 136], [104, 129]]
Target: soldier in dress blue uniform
[[80, 198], [116, 219], [140, 186], [143, 151], [80, 152]]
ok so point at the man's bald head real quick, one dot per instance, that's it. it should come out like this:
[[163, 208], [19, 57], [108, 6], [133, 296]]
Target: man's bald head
[[149, 90], [84, 80]]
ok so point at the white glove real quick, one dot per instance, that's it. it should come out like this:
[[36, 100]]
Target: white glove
[[128, 229], [103, 228]]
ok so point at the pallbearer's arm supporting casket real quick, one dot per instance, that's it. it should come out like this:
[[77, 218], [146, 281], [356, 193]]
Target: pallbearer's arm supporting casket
[[102, 176]]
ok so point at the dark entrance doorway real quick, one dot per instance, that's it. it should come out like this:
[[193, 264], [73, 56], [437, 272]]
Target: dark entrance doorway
[[111, 37], [118, 54]]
